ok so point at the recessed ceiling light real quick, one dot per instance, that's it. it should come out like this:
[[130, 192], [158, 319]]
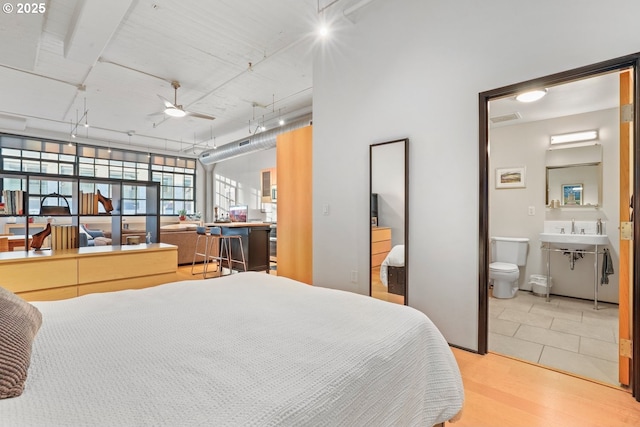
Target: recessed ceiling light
[[531, 96]]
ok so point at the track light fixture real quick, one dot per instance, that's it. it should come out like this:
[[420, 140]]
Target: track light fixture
[[85, 117]]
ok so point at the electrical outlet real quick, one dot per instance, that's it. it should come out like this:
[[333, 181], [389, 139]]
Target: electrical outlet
[[532, 210], [354, 277]]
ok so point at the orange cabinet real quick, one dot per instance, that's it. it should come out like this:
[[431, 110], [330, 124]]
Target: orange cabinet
[[294, 151]]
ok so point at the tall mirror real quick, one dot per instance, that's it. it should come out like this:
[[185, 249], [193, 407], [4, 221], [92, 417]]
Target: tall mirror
[[389, 189]]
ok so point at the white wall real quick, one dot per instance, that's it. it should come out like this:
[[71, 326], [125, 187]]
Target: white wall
[[414, 68], [526, 145], [245, 170]]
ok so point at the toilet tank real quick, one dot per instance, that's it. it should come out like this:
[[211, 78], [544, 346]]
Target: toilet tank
[[509, 249]]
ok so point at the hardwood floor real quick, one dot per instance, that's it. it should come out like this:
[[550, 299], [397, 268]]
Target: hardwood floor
[[184, 271], [500, 391], [379, 290]]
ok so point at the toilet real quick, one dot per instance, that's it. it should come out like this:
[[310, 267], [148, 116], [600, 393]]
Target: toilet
[[507, 255]]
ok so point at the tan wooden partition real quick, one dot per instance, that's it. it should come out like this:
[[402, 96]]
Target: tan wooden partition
[[294, 177], [626, 250]]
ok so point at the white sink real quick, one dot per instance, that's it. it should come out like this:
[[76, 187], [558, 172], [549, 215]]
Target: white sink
[[574, 241]]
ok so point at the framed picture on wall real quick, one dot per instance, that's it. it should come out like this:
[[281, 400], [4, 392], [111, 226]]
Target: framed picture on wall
[[572, 194], [511, 177]]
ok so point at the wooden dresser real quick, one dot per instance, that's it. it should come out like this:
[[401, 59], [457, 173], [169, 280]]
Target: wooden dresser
[[68, 273], [380, 244]]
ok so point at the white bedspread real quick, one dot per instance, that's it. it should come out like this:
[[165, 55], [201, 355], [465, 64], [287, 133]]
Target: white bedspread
[[245, 350], [394, 258]]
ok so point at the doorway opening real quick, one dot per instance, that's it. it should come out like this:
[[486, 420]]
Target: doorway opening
[[518, 137]]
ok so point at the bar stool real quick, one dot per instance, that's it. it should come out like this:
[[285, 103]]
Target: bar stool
[[225, 248], [207, 255]]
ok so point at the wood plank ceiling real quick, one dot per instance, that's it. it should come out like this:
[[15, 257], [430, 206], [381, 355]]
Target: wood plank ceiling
[[244, 62]]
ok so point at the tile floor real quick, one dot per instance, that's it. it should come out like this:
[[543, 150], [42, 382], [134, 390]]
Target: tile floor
[[565, 334]]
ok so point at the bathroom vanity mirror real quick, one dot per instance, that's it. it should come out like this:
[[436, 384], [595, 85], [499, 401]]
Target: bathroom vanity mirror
[[388, 249], [574, 176]]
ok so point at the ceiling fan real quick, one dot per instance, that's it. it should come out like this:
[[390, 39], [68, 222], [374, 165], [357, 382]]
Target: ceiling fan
[[173, 109]]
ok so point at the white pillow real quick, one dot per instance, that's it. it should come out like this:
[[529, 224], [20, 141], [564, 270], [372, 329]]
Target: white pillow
[[84, 231]]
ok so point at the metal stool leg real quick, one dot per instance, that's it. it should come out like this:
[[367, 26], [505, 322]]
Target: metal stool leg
[[244, 261], [215, 241], [201, 233], [219, 240], [226, 244], [231, 260]]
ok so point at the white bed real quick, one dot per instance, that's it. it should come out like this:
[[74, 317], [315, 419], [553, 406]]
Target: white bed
[[242, 350], [395, 258]]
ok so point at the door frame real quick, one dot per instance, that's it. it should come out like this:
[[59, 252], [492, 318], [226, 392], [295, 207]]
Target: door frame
[[630, 61]]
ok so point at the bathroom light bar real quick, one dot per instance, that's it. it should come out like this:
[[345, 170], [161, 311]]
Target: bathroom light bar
[[588, 135]]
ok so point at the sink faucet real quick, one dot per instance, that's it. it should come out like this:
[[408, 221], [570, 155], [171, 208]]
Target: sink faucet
[[573, 226]]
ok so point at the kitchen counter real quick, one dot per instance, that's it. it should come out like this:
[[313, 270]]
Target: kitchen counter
[[255, 243], [237, 224]]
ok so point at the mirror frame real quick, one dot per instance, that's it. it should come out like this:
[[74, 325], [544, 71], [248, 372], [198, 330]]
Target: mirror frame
[[404, 141], [574, 157], [559, 185]]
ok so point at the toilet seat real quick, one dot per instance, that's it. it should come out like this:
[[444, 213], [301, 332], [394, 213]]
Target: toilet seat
[[503, 267]]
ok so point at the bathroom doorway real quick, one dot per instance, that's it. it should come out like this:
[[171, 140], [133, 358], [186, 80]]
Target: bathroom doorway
[[529, 196]]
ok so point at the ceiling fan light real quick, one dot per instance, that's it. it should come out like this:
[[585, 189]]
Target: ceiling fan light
[[174, 112], [531, 96]]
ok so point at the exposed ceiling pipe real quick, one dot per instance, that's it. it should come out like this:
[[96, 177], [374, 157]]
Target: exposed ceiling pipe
[[260, 141]]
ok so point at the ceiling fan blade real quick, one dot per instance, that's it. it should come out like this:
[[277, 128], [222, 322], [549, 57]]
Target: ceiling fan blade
[[167, 103], [201, 116]]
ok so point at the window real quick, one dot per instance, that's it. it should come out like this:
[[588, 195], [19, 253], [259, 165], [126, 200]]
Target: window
[[134, 200], [36, 160], [176, 176], [39, 157], [177, 184], [116, 164], [225, 194], [41, 188]]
